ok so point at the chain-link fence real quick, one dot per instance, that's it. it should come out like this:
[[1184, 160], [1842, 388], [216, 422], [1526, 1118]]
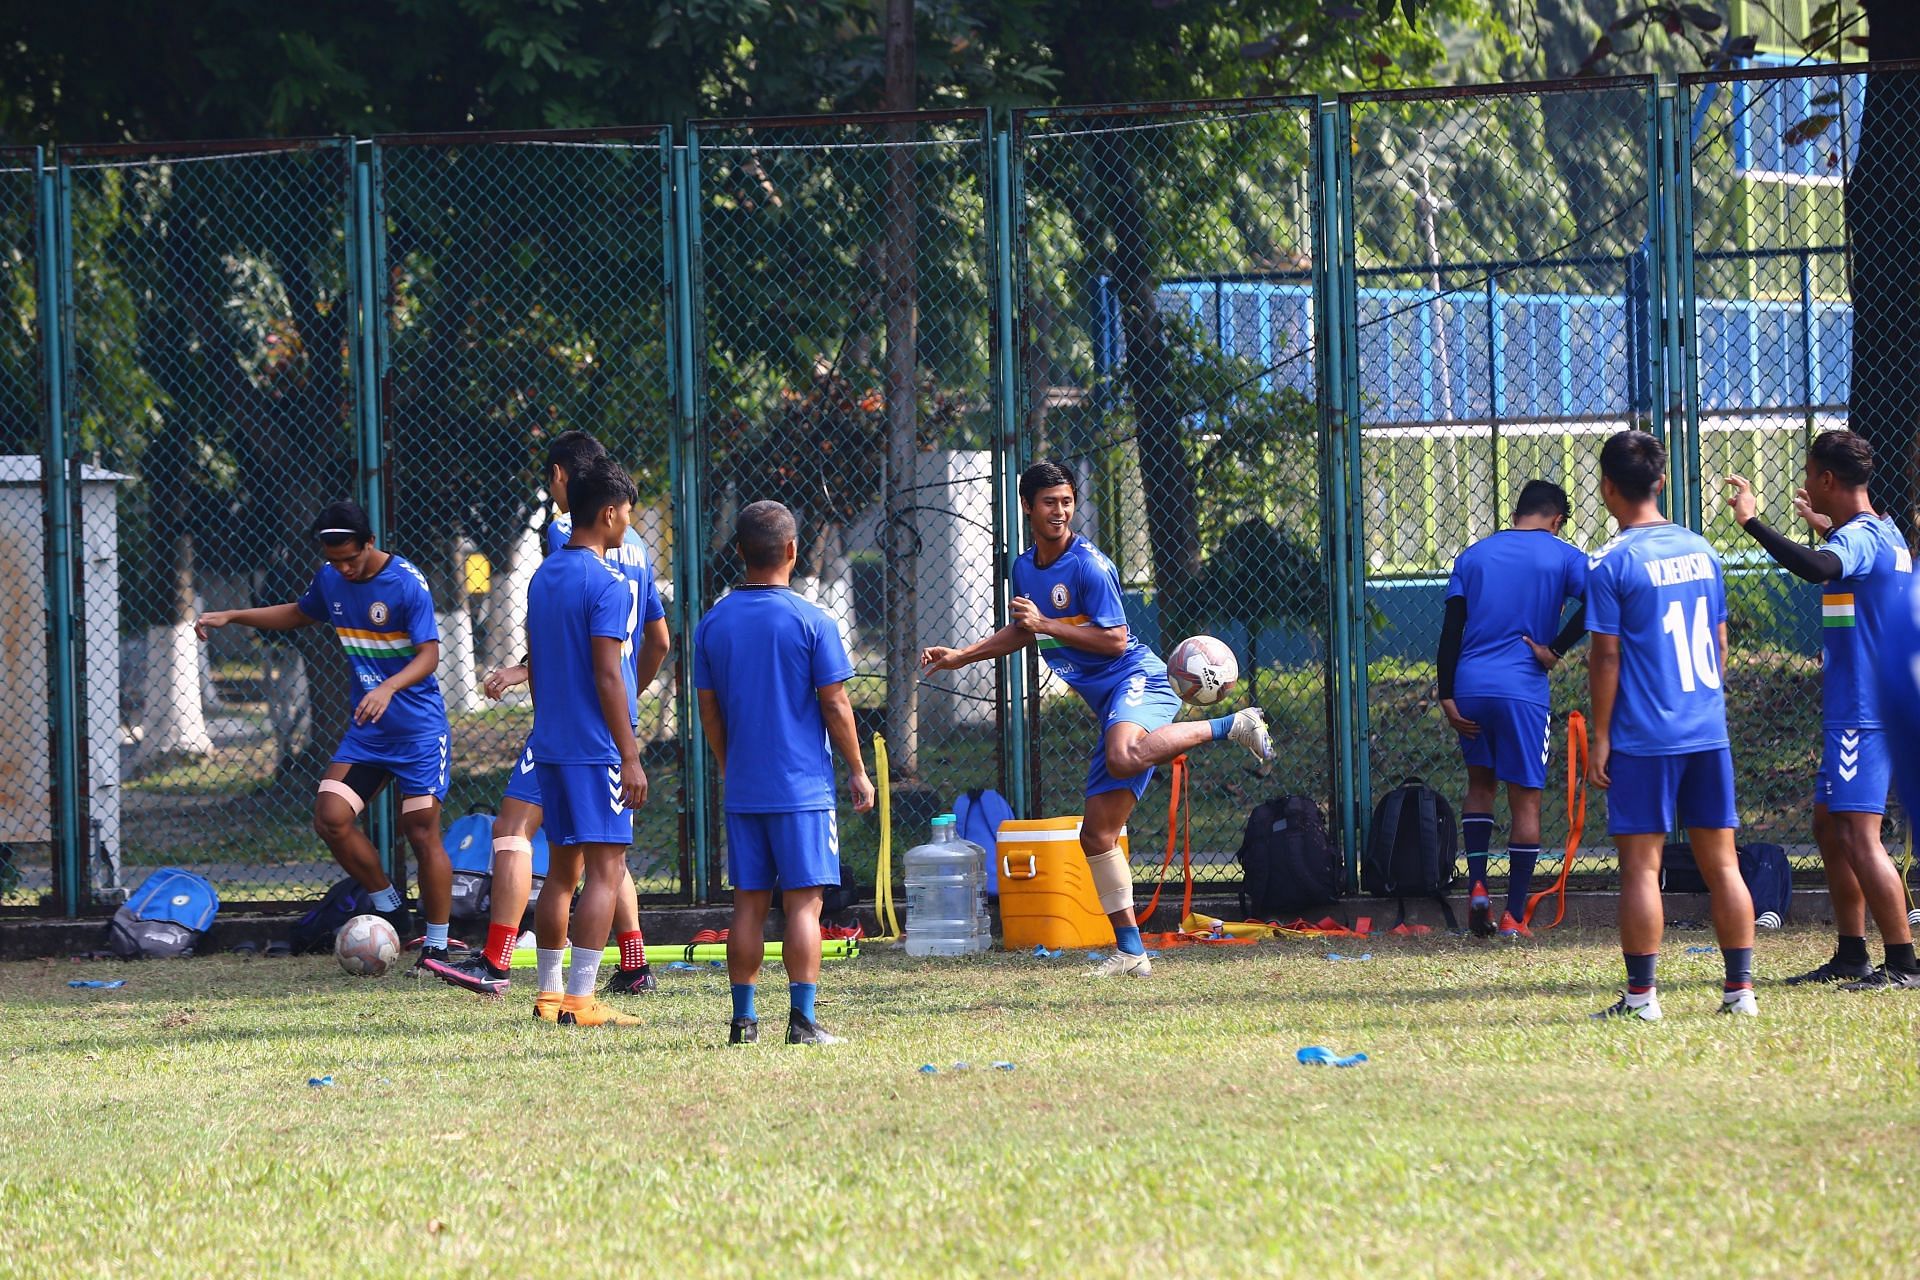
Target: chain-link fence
[[843, 284], [210, 314], [524, 286], [1167, 358], [1298, 353], [1504, 250], [1772, 158]]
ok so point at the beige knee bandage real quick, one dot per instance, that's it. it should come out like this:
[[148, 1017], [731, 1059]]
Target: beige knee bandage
[[513, 844], [413, 804], [329, 787], [1112, 880]]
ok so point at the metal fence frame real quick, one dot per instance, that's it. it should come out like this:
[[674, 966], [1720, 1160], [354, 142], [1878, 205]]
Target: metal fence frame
[[1672, 394]]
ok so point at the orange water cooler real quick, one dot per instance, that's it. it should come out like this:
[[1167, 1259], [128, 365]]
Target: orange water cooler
[[1046, 890]]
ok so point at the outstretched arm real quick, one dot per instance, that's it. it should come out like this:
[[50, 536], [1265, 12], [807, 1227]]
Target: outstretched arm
[[1008, 639], [1811, 564], [273, 617]]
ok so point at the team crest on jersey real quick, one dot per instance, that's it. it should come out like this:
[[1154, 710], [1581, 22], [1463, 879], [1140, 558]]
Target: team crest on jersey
[[1060, 596], [378, 613]]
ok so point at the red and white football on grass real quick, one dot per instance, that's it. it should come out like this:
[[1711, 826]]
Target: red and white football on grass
[[1202, 670], [366, 946]]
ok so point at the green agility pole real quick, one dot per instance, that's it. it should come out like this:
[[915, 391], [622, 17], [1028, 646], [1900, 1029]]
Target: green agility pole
[[700, 952]]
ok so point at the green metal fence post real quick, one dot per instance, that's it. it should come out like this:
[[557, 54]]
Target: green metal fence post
[[690, 519], [1349, 389], [1332, 307], [1007, 226], [1671, 373], [54, 261], [1686, 365]]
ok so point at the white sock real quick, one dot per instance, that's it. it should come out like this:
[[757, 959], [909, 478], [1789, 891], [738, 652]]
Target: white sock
[[550, 965], [583, 971], [1640, 1000], [387, 899], [436, 937]]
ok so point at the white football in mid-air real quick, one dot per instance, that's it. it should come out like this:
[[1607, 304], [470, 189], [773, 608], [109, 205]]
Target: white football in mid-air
[[1202, 670], [366, 946]]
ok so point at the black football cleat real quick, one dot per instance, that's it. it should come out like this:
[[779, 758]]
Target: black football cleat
[[743, 1031], [1834, 970], [474, 973], [631, 982], [804, 1030]]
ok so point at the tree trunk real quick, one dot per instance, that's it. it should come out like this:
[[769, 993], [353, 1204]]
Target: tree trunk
[[897, 541], [1883, 234], [172, 718]]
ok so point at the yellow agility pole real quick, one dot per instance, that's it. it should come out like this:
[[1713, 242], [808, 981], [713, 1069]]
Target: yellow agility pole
[[883, 874]]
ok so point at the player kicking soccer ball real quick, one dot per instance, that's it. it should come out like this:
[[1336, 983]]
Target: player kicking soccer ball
[[489, 971], [1865, 575], [1067, 601], [1507, 590], [1657, 610], [581, 619], [770, 673], [379, 606]]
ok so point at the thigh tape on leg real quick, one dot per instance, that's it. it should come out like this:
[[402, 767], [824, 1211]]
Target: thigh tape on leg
[[1112, 880], [413, 804], [513, 844]]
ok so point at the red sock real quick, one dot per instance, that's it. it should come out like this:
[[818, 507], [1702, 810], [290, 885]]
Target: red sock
[[633, 950], [500, 940]]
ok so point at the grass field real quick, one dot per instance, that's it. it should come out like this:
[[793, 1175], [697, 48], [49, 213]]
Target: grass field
[[1149, 1128]]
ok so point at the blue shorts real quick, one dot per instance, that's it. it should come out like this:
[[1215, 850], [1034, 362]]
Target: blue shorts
[[419, 767], [523, 782], [1650, 792], [1514, 739], [785, 850], [1146, 699], [583, 804], [1856, 768]]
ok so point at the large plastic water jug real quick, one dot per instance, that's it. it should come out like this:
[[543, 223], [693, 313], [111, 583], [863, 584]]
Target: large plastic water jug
[[947, 894]]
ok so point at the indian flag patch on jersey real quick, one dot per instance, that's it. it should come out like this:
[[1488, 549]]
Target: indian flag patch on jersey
[[1836, 609], [1050, 642], [380, 644]]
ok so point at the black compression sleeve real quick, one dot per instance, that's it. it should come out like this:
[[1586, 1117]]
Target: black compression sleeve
[[1573, 633], [1813, 564], [1451, 632]]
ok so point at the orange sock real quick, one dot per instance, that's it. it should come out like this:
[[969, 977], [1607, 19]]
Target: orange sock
[[500, 940], [633, 950]]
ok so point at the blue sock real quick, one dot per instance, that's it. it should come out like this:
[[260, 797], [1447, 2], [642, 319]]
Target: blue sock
[[1476, 837], [1127, 938], [743, 1000], [1739, 962], [1520, 860], [1639, 973], [1222, 726], [801, 995]]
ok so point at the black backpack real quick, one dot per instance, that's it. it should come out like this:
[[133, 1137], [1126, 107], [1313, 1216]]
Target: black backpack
[[1413, 847], [1288, 863], [1764, 867], [314, 931]]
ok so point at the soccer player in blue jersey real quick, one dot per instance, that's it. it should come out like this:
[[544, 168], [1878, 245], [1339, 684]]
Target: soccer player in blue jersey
[[770, 673], [1865, 575], [1657, 610], [1897, 658], [489, 970], [581, 613], [1506, 593], [1067, 601], [379, 606]]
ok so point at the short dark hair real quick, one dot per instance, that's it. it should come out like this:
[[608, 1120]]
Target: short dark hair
[[1043, 475], [1847, 455], [1634, 461], [571, 451], [598, 484], [762, 531], [341, 522], [1542, 498]]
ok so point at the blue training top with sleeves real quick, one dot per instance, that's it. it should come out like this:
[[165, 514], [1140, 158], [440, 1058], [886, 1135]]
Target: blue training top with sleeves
[[381, 624], [576, 596], [1082, 588], [765, 653], [1897, 659], [1659, 588], [1877, 576], [631, 559], [1516, 584]]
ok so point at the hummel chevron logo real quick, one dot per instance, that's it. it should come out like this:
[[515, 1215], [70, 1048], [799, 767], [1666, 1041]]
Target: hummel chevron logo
[[526, 763], [613, 790]]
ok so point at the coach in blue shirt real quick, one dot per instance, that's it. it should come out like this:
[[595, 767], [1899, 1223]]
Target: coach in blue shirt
[[771, 673]]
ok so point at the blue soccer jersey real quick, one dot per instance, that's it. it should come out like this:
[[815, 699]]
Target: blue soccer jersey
[[1516, 583], [1877, 576], [631, 559], [765, 653], [1896, 658], [1659, 588], [574, 598], [1082, 589], [381, 624]]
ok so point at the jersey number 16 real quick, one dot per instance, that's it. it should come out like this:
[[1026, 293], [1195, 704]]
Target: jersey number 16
[[1696, 649]]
